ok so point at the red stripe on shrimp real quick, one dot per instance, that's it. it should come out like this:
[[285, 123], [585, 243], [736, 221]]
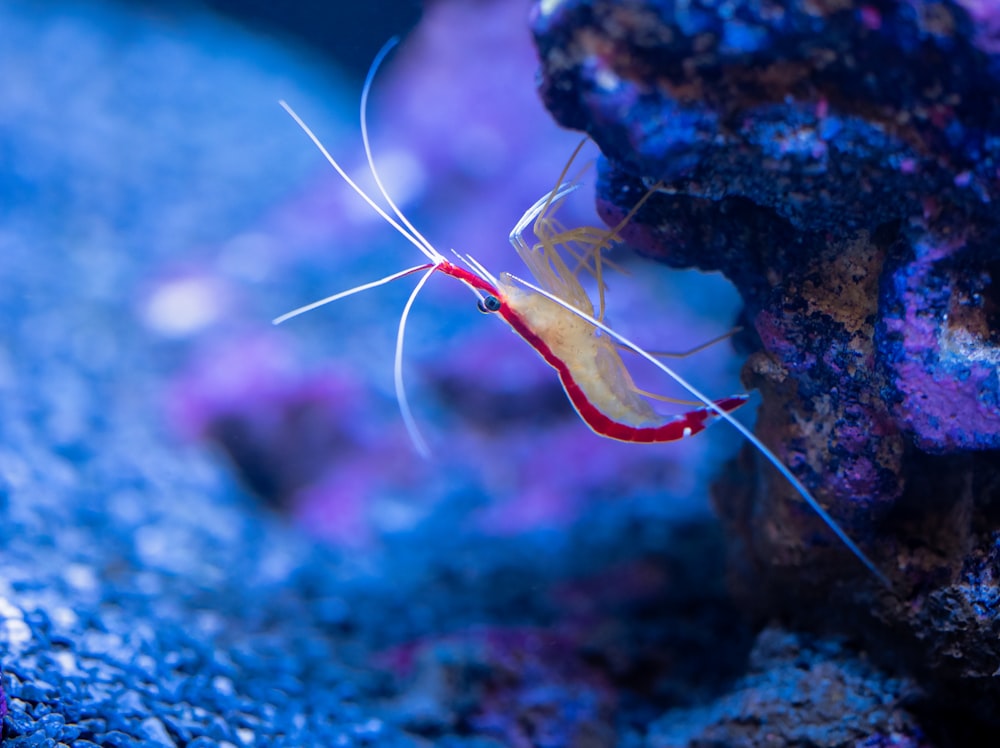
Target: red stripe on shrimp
[[673, 429]]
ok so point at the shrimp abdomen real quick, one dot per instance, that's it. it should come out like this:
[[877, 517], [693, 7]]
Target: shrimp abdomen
[[572, 347]]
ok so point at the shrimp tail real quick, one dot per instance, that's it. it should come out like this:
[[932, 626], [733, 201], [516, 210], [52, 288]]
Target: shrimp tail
[[690, 423]]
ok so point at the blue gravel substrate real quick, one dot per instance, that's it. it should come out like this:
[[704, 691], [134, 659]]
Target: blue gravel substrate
[[144, 600]]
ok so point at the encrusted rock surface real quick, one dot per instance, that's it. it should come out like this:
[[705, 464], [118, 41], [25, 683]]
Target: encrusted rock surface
[[840, 163]]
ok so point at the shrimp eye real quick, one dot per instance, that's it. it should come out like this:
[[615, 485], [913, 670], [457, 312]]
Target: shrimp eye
[[489, 304]]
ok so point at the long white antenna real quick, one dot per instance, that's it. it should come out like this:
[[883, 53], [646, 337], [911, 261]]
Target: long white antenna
[[747, 433], [404, 405], [429, 253], [349, 292], [365, 91]]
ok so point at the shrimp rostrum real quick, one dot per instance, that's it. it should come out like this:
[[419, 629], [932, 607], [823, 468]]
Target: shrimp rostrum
[[554, 314]]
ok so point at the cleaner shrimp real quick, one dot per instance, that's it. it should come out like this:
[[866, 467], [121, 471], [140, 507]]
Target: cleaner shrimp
[[556, 317]]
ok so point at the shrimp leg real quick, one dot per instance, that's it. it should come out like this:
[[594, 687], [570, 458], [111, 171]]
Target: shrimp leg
[[691, 351]]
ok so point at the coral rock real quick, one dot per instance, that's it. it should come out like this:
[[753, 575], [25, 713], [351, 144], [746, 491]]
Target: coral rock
[[839, 162]]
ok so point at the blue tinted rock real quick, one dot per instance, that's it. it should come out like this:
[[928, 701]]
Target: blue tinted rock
[[851, 199]]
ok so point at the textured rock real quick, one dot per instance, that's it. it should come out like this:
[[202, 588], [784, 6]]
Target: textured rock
[[800, 691], [839, 163]]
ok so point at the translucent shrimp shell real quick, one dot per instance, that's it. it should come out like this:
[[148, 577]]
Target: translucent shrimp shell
[[592, 358]]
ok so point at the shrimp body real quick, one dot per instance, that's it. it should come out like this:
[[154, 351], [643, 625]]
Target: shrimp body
[[589, 368], [587, 362]]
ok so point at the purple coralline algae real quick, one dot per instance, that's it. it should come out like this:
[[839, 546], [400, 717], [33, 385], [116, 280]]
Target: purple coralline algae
[[839, 162]]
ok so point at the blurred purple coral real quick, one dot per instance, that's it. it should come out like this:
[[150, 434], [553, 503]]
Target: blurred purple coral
[[287, 432], [800, 691]]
